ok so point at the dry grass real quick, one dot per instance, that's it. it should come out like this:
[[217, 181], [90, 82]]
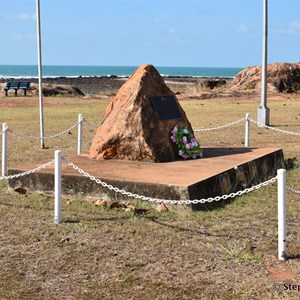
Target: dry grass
[[96, 253]]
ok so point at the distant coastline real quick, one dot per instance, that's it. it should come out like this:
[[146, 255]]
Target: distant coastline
[[31, 71], [92, 80], [96, 84]]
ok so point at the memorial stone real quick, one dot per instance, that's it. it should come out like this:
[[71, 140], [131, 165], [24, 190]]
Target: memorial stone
[[139, 119]]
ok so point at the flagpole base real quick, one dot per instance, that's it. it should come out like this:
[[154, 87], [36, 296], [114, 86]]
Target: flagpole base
[[263, 116]]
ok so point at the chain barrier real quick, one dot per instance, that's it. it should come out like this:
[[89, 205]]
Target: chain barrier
[[275, 129], [28, 137], [90, 123], [292, 191], [167, 201], [28, 172], [220, 127]]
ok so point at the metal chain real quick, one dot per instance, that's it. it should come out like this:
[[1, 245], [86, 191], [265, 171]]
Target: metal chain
[[90, 123], [28, 137], [292, 191], [167, 201], [275, 129], [220, 127], [28, 172]]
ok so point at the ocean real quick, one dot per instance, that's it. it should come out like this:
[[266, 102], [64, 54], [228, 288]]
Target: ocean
[[31, 71]]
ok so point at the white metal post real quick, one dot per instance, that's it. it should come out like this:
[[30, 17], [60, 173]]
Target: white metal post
[[281, 174], [57, 187], [263, 112], [40, 73], [4, 149], [79, 144], [247, 130]]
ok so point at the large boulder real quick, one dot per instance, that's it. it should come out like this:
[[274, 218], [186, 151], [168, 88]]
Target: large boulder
[[282, 77], [132, 129]]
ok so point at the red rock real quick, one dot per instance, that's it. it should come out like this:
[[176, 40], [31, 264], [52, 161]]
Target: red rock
[[100, 202], [161, 208], [132, 129], [282, 77]]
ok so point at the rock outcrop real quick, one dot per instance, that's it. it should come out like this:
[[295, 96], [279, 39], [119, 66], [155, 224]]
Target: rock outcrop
[[132, 129], [56, 90], [282, 77], [210, 83]]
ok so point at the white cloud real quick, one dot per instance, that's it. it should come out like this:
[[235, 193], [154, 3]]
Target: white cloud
[[212, 31], [295, 26], [157, 20], [21, 17], [292, 28], [242, 29], [171, 30], [23, 37]]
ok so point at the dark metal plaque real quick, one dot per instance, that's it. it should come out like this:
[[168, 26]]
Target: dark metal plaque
[[166, 107]]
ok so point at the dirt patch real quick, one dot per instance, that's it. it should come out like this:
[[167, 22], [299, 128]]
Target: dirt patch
[[275, 269]]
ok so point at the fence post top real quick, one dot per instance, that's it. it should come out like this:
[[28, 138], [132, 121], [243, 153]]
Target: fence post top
[[281, 171], [57, 152]]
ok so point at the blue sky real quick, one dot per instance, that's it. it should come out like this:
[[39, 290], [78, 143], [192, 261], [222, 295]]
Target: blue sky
[[212, 33]]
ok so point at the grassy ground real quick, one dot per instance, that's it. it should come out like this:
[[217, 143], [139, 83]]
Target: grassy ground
[[229, 252]]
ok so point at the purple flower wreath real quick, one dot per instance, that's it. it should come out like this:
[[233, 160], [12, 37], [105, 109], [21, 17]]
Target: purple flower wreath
[[188, 147]]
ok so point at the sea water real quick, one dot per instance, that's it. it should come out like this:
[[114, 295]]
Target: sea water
[[31, 71]]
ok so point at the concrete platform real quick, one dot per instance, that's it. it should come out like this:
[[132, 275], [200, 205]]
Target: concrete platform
[[221, 171]]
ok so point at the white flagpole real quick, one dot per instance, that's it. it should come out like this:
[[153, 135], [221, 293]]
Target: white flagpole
[[40, 73], [263, 113]]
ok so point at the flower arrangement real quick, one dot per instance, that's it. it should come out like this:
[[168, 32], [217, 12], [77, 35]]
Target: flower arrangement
[[188, 147]]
